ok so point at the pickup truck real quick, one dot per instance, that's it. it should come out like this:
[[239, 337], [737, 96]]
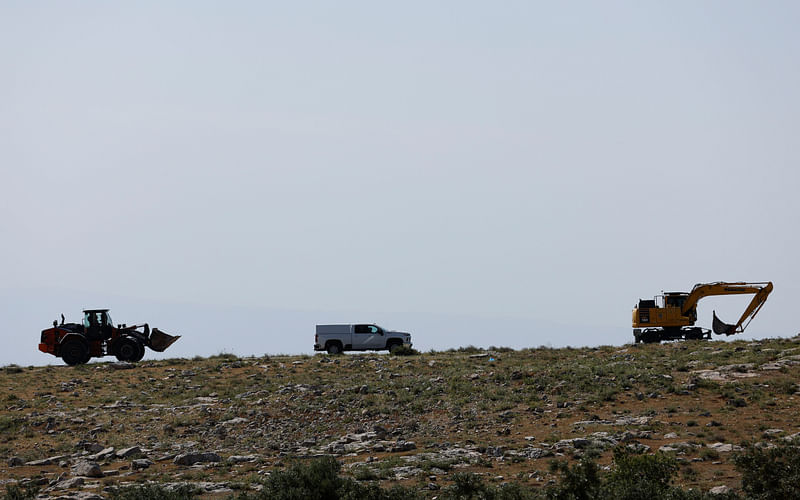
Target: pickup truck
[[364, 337]]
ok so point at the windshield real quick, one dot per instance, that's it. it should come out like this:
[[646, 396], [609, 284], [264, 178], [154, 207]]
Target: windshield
[[108, 317]]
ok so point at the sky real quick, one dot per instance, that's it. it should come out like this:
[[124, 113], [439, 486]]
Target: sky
[[493, 173]]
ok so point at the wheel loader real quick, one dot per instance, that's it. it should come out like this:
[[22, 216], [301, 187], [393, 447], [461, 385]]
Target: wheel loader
[[96, 336], [672, 316]]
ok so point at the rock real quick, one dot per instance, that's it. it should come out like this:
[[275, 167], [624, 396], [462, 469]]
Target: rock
[[234, 421], [196, 458], [740, 367], [68, 484], [638, 447], [584, 423], [403, 446], [633, 421], [87, 469], [15, 462], [773, 432], [572, 443], [535, 453], [103, 454], [676, 447], [122, 365], [88, 495], [129, 452], [238, 459], [671, 435], [720, 490], [792, 437], [493, 451], [80, 495], [47, 461], [724, 447], [91, 447], [141, 463]]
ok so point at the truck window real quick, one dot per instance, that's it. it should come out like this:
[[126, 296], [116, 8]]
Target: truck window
[[361, 329]]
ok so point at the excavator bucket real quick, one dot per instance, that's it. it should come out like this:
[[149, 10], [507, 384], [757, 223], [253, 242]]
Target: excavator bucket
[[159, 341], [720, 327]]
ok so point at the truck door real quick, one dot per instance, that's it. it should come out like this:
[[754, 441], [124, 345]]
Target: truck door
[[368, 337]]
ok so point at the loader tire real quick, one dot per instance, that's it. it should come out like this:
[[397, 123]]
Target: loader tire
[[74, 352], [128, 349], [141, 353]]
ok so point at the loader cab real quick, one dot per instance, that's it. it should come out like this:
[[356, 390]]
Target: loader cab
[[97, 324]]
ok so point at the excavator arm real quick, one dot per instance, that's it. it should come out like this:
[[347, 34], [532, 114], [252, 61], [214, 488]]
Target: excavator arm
[[760, 291]]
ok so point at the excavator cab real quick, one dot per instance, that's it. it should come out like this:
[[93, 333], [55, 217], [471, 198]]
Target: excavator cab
[[675, 299]]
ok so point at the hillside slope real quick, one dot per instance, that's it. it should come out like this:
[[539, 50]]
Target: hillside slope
[[224, 422]]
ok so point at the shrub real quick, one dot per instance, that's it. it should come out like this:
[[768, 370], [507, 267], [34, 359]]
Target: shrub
[[26, 492], [404, 350], [640, 476], [709, 454], [470, 349], [9, 424], [770, 473], [501, 349], [320, 480], [227, 356], [153, 492], [467, 486], [580, 482]]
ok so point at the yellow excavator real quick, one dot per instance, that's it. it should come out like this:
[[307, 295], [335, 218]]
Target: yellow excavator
[[671, 316]]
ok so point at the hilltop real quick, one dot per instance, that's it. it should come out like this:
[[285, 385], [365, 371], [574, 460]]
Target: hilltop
[[225, 423]]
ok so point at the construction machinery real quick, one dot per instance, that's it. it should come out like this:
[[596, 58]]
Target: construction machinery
[[96, 336], [672, 315]]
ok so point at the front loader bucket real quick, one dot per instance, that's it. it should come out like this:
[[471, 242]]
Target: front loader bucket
[[159, 341], [720, 327]]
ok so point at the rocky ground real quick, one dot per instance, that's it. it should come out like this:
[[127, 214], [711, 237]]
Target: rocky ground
[[224, 423]]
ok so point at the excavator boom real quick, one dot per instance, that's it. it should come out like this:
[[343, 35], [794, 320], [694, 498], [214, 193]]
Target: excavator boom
[[749, 313]]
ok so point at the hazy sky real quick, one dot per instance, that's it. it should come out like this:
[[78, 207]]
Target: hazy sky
[[553, 161]]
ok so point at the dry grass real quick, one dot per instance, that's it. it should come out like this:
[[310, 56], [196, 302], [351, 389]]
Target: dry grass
[[506, 400]]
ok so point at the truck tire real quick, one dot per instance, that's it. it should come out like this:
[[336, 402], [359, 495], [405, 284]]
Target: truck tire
[[334, 348], [128, 349], [74, 352], [392, 346]]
